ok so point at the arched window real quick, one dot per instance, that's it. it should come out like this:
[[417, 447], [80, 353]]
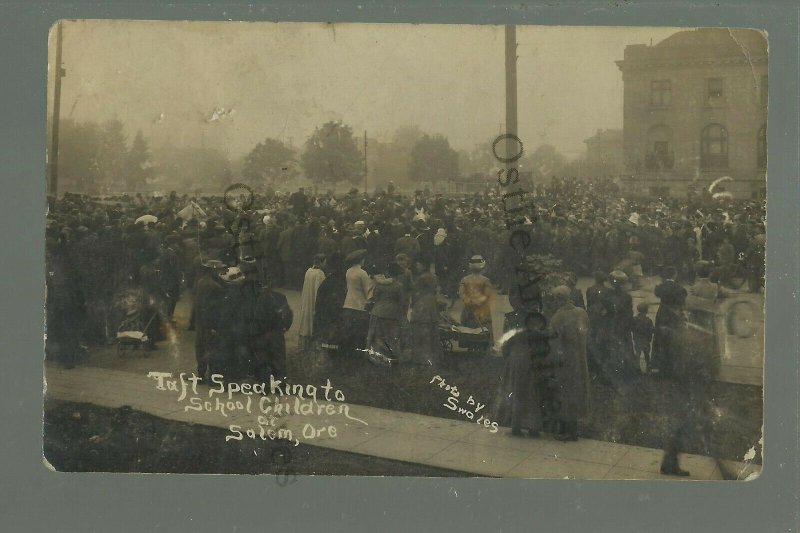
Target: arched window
[[714, 147], [761, 148]]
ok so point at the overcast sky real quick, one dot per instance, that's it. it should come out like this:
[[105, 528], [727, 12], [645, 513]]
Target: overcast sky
[[283, 79]]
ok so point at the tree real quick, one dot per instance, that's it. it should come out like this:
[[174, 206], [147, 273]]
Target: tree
[[483, 160], [432, 159], [389, 161], [331, 154], [464, 162], [79, 147], [268, 161], [113, 155], [545, 162], [193, 169], [139, 167], [405, 137]]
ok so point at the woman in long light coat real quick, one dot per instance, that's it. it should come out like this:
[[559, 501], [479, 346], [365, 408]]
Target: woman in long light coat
[[308, 299], [478, 294]]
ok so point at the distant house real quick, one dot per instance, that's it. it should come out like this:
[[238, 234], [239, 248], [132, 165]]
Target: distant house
[[470, 184], [695, 109], [604, 153]]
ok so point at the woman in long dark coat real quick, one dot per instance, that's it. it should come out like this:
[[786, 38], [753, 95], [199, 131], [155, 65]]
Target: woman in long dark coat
[[383, 335], [426, 348], [520, 392], [570, 328], [328, 309]]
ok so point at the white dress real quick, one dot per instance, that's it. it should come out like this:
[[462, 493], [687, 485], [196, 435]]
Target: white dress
[[308, 299]]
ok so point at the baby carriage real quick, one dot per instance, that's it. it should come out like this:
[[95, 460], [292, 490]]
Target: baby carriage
[[132, 332], [471, 340]]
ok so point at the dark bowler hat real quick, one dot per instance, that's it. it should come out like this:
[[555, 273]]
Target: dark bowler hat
[[618, 276], [355, 256], [248, 266]]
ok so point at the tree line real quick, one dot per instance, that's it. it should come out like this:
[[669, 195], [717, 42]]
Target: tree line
[[97, 158]]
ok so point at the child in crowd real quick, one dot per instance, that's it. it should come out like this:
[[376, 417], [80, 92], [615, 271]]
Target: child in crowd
[[642, 334]]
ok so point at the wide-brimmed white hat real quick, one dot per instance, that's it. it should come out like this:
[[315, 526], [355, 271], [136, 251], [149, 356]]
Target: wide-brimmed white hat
[[233, 273]]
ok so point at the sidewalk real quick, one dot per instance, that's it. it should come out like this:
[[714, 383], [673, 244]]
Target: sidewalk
[[439, 442]]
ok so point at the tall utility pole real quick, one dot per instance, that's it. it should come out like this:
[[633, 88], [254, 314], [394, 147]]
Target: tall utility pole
[[52, 157], [365, 160], [511, 88]]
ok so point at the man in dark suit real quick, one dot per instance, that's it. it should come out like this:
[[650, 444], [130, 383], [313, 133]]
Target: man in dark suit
[[618, 363], [669, 318], [670, 355], [356, 240], [271, 318], [208, 297], [598, 323], [299, 202]]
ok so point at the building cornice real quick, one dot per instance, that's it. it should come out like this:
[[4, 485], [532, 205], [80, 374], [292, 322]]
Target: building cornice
[[651, 64]]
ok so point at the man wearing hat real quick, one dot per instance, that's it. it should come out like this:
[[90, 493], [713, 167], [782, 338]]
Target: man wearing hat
[[65, 307], [570, 328], [670, 320], [642, 328], [356, 241], [299, 202], [170, 263], [269, 318], [615, 344], [407, 245], [682, 362], [422, 233], [286, 252], [208, 296], [754, 259], [477, 294]]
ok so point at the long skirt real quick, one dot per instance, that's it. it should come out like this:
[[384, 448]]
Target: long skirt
[[354, 326], [519, 398], [426, 348], [478, 317], [383, 336]]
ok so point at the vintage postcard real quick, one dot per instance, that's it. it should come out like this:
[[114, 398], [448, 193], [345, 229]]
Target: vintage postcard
[[405, 250]]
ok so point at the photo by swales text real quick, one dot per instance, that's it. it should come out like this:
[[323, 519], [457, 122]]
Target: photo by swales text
[[267, 402], [473, 408]]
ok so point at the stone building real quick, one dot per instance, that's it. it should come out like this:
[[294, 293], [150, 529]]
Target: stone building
[[695, 109], [604, 153]]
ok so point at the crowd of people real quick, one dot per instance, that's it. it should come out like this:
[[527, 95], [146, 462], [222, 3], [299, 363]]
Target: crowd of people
[[376, 271]]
